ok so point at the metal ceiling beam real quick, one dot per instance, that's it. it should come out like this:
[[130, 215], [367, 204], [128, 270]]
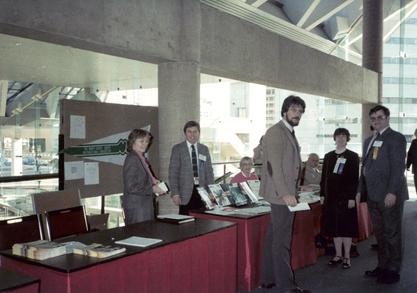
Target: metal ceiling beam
[[410, 8], [332, 12], [308, 13], [258, 3]]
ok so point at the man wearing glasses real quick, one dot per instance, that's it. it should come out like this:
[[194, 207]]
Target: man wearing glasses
[[386, 186]]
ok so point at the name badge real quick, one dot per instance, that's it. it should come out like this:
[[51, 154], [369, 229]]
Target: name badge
[[377, 143], [202, 157], [339, 166]]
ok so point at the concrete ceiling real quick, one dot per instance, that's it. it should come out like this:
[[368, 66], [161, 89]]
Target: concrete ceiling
[[321, 24], [40, 62]]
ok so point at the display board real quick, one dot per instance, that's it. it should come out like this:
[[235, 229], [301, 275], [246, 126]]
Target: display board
[[93, 144]]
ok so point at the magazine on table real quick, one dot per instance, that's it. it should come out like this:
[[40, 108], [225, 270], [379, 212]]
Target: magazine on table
[[248, 191], [219, 195], [255, 186], [207, 198], [238, 198]]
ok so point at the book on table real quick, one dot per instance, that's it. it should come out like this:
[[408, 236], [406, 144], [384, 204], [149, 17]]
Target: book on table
[[98, 250], [248, 191], [138, 241], [238, 198], [39, 250], [207, 198], [219, 195], [255, 186], [175, 218]]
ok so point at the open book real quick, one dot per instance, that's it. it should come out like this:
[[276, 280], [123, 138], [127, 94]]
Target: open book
[[175, 218]]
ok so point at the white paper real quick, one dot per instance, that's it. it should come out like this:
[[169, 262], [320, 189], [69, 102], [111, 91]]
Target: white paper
[[74, 170], [91, 174], [138, 241], [77, 126], [302, 206]]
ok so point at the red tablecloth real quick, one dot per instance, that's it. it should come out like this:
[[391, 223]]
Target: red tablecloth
[[251, 237], [32, 288], [205, 263], [364, 221]]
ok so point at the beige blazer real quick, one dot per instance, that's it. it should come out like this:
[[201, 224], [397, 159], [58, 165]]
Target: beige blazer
[[282, 164]]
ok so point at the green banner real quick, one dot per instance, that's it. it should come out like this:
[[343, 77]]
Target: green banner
[[99, 149]]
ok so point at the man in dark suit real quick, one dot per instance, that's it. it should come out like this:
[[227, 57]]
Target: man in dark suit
[[412, 158], [189, 167], [386, 187], [280, 174]]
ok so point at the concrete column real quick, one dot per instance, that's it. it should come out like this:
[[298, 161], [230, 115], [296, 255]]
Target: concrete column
[[372, 51], [179, 102]]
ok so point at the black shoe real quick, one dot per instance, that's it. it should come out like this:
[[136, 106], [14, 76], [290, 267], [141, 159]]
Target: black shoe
[[374, 273], [388, 277], [374, 246], [299, 290], [346, 263], [335, 261], [268, 286]]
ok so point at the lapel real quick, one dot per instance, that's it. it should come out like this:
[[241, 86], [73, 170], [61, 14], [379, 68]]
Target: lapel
[[186, 154], [287, 132]]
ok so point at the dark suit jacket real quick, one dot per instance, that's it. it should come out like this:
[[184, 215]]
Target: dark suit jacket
[[282, 163], [181, 178], [137, 188], [412, 156], [385, 174]]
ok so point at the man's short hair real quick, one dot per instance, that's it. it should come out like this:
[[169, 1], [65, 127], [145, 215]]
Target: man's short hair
[[292, 100], [341, 131], [378, 108], [190, 124]]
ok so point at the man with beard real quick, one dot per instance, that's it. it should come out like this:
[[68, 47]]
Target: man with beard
[[280, 174]]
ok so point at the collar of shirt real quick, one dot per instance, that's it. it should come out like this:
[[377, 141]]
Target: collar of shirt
[[382, 131], [189, 149], [288, 125]]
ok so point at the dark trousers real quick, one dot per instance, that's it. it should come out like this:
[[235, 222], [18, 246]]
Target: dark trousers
[[195, 203], [387, 227], [276, 262], [415, 181]]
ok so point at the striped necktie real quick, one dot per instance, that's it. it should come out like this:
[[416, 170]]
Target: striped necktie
[[194, 160]]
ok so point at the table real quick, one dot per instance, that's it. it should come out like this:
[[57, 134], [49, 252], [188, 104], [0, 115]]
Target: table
[[15, 282], [251, 236], [194, 257]]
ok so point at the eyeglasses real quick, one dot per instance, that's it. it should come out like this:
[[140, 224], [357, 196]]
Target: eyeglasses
[[379, 118]]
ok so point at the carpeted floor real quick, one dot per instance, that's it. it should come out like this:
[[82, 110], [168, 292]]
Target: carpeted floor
[[324, 279]]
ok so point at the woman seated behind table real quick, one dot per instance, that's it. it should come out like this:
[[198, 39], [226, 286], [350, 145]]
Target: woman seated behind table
[[138, 179], [245, 173]]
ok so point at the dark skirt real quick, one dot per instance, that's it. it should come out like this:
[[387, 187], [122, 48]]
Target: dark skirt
[[339, 220]]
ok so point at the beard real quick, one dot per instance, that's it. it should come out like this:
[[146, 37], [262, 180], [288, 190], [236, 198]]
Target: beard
[[293, 122]]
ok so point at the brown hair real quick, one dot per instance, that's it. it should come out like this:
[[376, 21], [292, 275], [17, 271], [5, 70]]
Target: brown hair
[[134, 135]]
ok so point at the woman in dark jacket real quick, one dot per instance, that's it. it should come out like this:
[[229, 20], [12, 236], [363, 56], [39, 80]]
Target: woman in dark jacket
[[338, 188], [139, 182]]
